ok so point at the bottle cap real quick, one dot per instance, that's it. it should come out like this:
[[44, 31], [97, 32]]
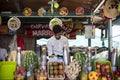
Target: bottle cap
[[28, 74]]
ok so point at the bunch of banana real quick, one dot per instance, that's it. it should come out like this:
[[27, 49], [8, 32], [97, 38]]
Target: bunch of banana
[[72, 70]]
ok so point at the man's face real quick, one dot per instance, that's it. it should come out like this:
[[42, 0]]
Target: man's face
[[58, 35]]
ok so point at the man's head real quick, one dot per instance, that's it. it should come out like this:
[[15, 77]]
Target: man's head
[[57, 31]]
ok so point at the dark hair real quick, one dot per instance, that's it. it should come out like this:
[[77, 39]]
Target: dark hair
[[57, 29]]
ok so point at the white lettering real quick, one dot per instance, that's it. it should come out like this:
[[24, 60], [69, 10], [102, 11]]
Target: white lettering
[[41, 33], [39, 26], [34, 33]]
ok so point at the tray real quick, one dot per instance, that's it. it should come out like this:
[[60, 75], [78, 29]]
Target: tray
[[106, 64], [52, 75], [7, 70]]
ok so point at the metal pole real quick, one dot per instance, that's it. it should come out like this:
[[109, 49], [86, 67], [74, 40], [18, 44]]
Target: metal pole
[[110, 37], [89, 42]]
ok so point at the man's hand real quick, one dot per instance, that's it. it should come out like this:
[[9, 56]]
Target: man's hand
[[52, 56]]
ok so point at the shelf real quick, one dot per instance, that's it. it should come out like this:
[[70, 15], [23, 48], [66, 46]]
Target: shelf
[[34, 14]]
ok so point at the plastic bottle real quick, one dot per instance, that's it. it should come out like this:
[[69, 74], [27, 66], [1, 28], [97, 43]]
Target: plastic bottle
[[30, 74], [65, 55]]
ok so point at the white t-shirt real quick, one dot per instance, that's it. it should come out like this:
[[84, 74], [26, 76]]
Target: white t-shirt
[[55, 46]]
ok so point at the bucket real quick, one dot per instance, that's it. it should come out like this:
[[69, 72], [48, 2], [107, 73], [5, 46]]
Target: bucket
[[7, 69]]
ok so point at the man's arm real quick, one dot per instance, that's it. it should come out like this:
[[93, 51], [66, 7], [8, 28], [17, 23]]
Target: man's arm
[[67, 44]]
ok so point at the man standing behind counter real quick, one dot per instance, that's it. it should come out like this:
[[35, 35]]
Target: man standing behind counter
[[57, 42]]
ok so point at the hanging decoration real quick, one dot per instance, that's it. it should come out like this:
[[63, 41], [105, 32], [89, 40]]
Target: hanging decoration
[[27, 11], [68, 24], [97, 19], [79, 11], [63, 11], [93, 29], [89, 31], [52, 6], [14, 23], [41, 11], [110, 9], [80, 28], [56, 5], [103, 37], [55, 21]]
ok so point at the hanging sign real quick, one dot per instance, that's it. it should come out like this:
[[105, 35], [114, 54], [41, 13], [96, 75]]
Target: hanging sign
[[68, 28], [43, 31], [89, 31], [38, 30]]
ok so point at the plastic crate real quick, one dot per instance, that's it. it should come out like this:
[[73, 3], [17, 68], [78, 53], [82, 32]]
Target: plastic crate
[[49, 71], [7, 70], [101, 62]]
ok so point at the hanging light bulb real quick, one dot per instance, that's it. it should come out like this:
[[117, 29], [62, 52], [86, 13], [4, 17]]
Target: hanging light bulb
[[56, 5]]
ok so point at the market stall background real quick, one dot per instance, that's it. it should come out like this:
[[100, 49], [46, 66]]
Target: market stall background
[[81, 41], [33, 17], [85, 12], [81, 11]]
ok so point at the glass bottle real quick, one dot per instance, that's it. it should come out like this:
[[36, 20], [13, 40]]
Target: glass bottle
[[43, 58], [19, 56], [89, 54]]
